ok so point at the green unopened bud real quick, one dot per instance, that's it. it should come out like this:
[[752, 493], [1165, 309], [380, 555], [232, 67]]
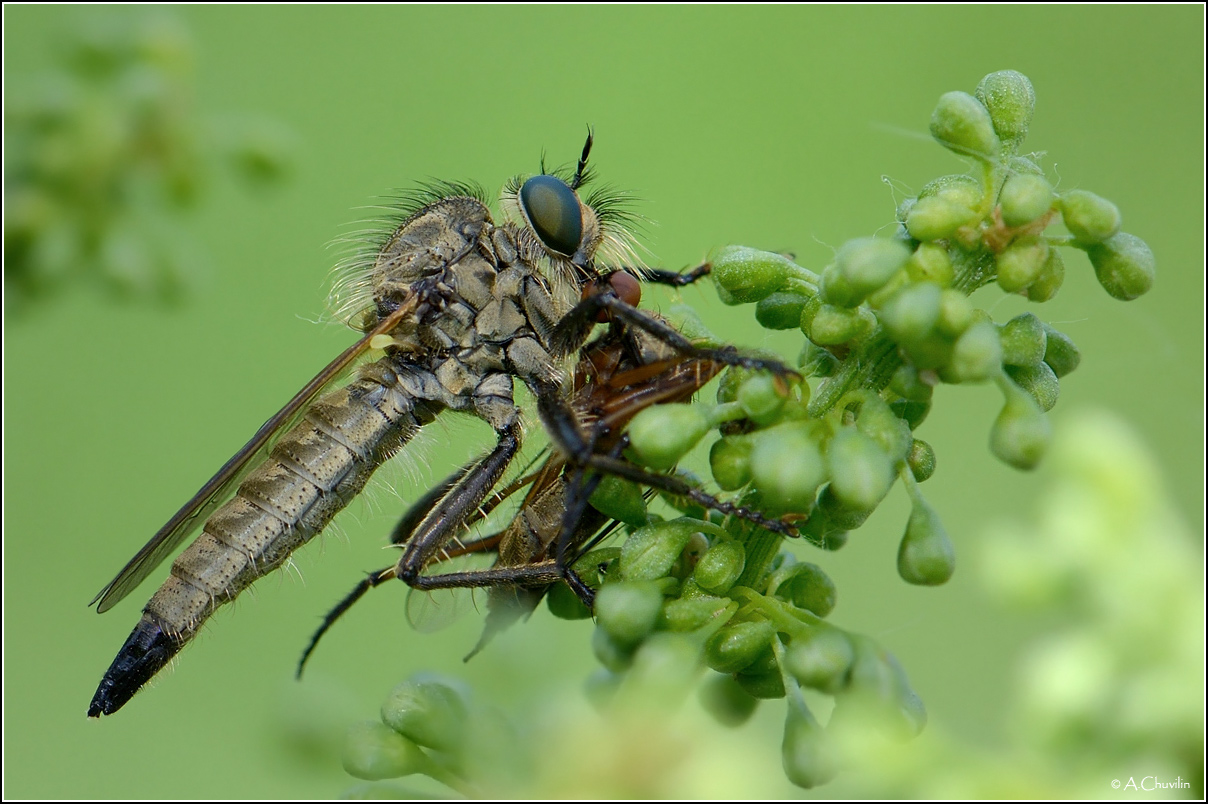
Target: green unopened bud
[[765, 686], [1020, 263], [614, 655], [806, 753], [862, 266], [831, 509], [565, 604], [659, 436], [428, 712], [1089, 217], [1010, 100], [730, 460], [977, 354], [937, 217], [912, 313], [1021, 433], [959, 188], [1025, 198], [877, 420], [1039, 381], [921, 460], [1052, 275], [908, 384], [806, 586], [720, 567], [780, 310], [1060, 352], [748, 275], [1124, 266], [628, 610], [762, 396], [930, 263], [913, 413], [956, 313], [649, 553], [821, 659], [620, 499], [723, 697], [691, 613], [738, 645], [925, 556], [828, 325], [1023, 340], [787, 467], [962, 124], [861, 473], [816, 361], [374, 751], [821, 531]]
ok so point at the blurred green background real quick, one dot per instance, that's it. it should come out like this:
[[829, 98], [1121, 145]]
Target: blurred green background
[[769, 127]]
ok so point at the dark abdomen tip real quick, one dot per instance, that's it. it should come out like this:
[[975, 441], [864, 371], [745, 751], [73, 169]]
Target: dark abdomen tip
[[145, 653]]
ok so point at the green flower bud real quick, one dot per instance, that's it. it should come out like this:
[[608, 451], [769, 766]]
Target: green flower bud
[[879, 688], [925, 556], [1023, 340], [1060, 352], [727, 388], [762, 396], [878, 421], [1010, 100], [959, 188], [738, 645], [649, 553], [828, 325], [723, 697], [730, 460], [610, 653], [956, 313], [820, 660], [861, 473], [780, 310], [428, 712], [628, 610], [660, 435], [1022, 164], [821, 531], [912, 313], [806, 586], [936, 218], [565, 604], [862, 266], [601, 687], [1039, 381], [808, 757], [687, 322], [911, 412], [831, 509], [720, 567], [977, 355], [1025, 198], [903, 209], [1124, 265], [763, 686], [921, 460], [748, 275], [374, 751], [1020, 263], [930, 263], [962, 124], [620, 499], [691, 613], [907, 384], [1052, 275], [1021, 433], [787, 467], [1089, 217], [815, 361]]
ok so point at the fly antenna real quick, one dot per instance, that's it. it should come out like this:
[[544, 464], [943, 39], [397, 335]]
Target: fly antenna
[[581, 170]]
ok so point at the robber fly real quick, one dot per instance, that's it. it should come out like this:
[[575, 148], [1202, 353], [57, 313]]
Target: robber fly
[[623, 372], [455, 309]]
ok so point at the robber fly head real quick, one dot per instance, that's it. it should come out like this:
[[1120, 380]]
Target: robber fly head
[[587, 235]]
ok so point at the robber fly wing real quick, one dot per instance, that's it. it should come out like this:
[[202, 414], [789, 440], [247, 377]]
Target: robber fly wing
[[219, 487]]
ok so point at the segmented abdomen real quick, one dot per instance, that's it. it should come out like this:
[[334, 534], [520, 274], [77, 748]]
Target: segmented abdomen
[[312, 472]]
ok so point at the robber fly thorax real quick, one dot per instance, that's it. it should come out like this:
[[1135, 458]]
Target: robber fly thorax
[[461, 306]]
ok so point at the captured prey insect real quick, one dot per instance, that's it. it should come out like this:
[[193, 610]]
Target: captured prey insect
[[455, 308], [618, 375]]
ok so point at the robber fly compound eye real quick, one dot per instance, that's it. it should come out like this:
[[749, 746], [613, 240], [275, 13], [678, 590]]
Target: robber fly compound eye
[[552, 209]]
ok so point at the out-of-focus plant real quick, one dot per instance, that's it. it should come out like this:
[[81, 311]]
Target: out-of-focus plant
[[887, 321], [106, 151]]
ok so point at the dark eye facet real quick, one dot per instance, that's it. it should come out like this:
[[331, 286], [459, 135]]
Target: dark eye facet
[[553, 210]]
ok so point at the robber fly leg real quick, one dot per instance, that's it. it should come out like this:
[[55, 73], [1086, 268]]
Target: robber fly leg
[[676, 279], [369, 582], [416, 513]]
